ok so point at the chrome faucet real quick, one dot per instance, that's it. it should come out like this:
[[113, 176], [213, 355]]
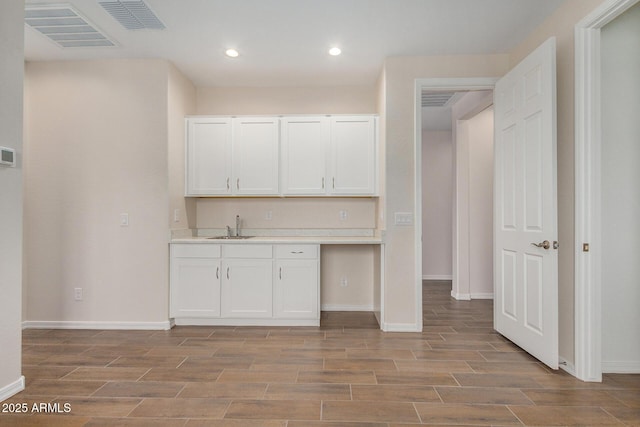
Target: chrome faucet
[[237, 225]]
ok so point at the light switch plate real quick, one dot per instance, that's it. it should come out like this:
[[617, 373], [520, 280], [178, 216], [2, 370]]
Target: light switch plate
[[403, 218]]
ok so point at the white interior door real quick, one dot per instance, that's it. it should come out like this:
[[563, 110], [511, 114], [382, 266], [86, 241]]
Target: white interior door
[[525, 213]]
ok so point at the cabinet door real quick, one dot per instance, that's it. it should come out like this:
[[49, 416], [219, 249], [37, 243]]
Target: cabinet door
[[195, 287], [305, 142], [208, 156], [353, 155], [247, 288], [296, 289], [255, 156]]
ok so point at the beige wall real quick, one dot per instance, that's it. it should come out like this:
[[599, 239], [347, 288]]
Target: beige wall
[[287, 100], [11, 134], [561, 25], [353, 264], [287, 213], [399, 87], [437, 193], [181, 100], [96, 147]]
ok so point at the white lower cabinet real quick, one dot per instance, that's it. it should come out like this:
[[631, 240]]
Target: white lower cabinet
[[195, 281], [295, 285], [245, 284]]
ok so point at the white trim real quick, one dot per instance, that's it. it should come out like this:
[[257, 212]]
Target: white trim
[[455, 84], [347, 307], [588, 272], [437, 277], [197, 321], [460, 296], [482, 295], [400, 327], [12, 389], [44, 324], [621, 367]]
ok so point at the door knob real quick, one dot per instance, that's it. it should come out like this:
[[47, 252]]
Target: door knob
[[545, 244]]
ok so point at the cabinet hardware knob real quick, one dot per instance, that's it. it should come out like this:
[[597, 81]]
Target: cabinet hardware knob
[[227, 272], [280, 273], [323, 182], [297, 252], [228, 187], [238, 183], [218, 273]]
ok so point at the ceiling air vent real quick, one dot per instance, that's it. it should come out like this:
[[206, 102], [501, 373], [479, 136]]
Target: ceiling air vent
[[440, 99], [62, 24], [132, 14]]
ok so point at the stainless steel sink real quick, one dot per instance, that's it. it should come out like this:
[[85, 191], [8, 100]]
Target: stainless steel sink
[[230, 237]]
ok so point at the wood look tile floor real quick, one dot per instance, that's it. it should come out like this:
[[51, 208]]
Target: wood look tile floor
[[345, 373]]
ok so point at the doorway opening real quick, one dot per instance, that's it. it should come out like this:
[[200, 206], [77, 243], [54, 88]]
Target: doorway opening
[[454, 143]]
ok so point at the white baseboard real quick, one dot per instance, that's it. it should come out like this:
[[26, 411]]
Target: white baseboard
[[212, 321], [12, 389], [400, 327], [467, 297], [460, 297], [346, 307], [482, 296], [437, 277], [45, 324], [621, 367]]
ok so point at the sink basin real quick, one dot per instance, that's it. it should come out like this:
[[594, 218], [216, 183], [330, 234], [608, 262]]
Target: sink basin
[[229, 237]]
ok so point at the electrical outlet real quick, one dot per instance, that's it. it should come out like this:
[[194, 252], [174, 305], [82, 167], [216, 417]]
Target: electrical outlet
[[343, 215], [77, 294], [268, 215], [344, 282], [124, 220], [176, 215]]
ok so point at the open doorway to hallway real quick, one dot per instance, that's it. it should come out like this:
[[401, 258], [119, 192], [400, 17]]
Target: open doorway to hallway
[[457, 190]]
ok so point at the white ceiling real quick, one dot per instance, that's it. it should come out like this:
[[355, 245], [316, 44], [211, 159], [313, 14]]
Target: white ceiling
[[285, 42]]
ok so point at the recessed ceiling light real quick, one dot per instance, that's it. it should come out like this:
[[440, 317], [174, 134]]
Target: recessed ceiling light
[[335, 51], [231, 53]]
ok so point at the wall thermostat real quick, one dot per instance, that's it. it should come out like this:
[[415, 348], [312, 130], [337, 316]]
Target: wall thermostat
[[7, 156]]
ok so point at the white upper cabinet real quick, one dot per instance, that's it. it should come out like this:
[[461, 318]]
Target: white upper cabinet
[[232, 156], [208, 155], [329, 155], [320, 156], [353, 155], [304, 152], [255, 155]]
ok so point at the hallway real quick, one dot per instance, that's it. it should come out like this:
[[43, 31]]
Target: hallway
[[458, 371]]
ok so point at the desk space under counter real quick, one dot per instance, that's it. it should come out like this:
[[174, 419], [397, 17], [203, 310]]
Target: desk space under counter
[[273, 281]]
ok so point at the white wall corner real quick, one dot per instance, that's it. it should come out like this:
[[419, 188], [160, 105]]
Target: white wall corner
[[12, 389]]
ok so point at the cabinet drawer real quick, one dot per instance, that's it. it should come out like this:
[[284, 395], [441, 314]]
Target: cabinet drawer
[[195, 250], [247, 251], [296, 251]]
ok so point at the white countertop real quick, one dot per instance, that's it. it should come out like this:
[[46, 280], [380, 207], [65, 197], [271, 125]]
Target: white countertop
[[322, 240]]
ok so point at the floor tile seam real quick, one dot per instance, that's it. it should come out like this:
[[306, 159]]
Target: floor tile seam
[[607, 392], [616, 418]]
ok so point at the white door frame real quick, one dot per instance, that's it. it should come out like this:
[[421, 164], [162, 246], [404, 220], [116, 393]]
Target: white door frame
[[588, 266], [435, 84]]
